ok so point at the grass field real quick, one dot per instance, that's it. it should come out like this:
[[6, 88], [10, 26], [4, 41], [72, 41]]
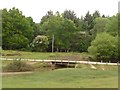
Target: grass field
[[40, 55], [64, 78]]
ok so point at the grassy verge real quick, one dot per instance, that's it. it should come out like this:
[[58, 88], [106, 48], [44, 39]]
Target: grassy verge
[[64, 78]]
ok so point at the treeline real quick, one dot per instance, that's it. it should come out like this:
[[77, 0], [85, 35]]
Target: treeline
[[94, 33]]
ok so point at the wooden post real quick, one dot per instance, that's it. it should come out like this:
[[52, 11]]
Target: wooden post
[[57, 50], [68, 64], [53, 44]]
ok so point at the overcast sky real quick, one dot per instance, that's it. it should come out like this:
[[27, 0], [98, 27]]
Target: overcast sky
[[38, 8]]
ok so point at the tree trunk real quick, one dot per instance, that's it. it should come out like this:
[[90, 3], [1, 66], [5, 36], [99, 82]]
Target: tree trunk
[[67, 50], [57, 50]]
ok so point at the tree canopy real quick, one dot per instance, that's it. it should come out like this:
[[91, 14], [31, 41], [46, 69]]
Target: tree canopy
[[93, 33], [17, 29], [105, 48]]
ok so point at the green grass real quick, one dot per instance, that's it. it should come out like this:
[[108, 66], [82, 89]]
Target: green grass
[[64, 78], [39, 55], [82, 77], [6, 62]]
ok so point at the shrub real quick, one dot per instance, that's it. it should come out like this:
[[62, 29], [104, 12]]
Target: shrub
[[18, 66], [104, 47], [40, 43]]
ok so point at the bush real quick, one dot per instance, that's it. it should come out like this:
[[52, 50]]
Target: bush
[[40, 43], [18, 66], [104, 47]]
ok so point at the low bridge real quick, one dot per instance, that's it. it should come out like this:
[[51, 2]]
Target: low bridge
[[64, 63]]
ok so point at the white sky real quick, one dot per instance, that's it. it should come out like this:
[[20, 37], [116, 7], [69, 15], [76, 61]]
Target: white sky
[[38, 8]]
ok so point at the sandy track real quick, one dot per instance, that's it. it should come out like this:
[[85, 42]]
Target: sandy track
[[14, 73]]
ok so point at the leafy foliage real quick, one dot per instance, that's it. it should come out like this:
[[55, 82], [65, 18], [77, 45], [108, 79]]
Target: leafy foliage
[[40, 43], [105, 48], [112, 26], [71, 15], [70, 33], [15, 25], [62, 29], [100, 26]]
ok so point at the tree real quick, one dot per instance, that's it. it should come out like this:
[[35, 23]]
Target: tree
[[112, 26], [80, 41], [86, 25], [62, 29], [40, 43], [103, 16], [82, 25], [57, 14], [15, 25], [96, 14], [68, 14], [46, 17], [17, 41], [89, 20], [37, 30], [104, 47], [100, 26]]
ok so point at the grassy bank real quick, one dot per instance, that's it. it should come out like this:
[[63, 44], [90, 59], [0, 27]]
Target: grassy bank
[[64, 78]]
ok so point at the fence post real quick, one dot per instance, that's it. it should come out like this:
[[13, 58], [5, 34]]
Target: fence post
[[106, 63], [118, 63], [68, 64]]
